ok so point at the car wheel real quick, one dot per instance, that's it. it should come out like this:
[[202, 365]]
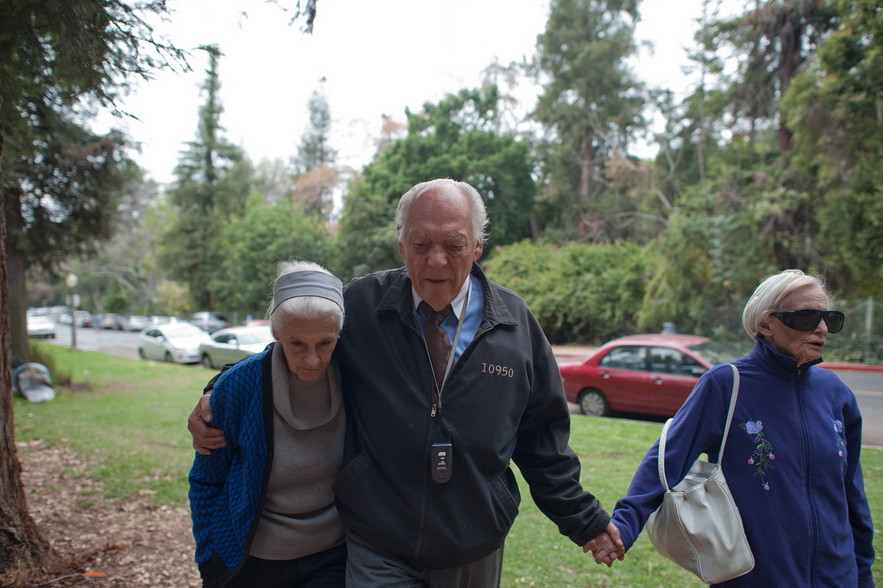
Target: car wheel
[[207, 362], [593, 403], [167, 357], [141, 354]]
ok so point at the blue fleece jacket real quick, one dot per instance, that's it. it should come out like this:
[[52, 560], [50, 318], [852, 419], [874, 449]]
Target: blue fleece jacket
[[792, 465]]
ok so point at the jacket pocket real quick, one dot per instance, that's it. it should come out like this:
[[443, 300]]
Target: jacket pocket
[[351, 474], [507, 498]]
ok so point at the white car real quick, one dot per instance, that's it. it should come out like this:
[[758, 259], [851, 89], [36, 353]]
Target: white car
[[41, 326], [136, 322], [234, 343], [173, 342]]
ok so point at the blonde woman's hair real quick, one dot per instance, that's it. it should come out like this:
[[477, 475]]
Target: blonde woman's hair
[[771, 292]]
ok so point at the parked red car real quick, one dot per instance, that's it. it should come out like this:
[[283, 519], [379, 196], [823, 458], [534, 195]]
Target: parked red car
[[644, 374]]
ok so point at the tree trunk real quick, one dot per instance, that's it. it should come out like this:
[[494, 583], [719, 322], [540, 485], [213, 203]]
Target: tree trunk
[[586, 208], [15, 271], [23, 552]]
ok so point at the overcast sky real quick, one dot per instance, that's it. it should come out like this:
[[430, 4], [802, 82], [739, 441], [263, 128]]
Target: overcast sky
[[376, 56]]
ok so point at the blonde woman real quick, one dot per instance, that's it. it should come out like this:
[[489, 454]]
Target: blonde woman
[[792, 454]]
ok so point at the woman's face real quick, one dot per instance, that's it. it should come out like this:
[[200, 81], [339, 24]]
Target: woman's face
[[803, 346], [308, 345]]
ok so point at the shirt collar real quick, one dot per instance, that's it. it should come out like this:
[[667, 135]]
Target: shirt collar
[[456, 303]]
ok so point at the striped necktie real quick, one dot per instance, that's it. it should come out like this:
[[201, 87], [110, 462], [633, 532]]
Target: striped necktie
[[437, 341]]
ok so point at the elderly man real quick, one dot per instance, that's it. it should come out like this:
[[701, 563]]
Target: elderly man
[[427, 494]]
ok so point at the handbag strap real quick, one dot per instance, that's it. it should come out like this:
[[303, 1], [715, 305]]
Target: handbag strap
[[660, 458], [733, 396]]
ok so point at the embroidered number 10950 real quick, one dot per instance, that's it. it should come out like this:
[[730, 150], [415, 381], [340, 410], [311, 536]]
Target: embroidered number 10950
[[498, 370]]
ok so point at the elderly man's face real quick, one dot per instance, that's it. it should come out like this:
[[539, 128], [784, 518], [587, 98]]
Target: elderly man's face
[[438, 246]]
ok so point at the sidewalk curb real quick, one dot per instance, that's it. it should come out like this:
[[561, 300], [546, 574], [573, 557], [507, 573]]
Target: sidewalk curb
[[852, 367]]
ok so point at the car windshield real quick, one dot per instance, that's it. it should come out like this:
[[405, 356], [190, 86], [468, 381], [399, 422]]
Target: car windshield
[[181, 330], [251, 337], [714, 352]]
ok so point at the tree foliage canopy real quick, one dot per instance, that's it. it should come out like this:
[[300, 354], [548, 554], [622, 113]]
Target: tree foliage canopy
[[455, 139], [213, 180], [590, 108], [252, 244], [771, 161]]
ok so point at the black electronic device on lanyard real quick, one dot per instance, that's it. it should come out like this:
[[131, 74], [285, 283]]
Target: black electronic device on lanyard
[[441, 453], [440, 456]]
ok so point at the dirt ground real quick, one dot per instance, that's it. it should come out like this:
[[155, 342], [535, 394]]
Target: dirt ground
[[129, 543]]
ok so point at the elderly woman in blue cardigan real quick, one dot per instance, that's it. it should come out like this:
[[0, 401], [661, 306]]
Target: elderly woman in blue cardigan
[[263, 506], [792, 454]]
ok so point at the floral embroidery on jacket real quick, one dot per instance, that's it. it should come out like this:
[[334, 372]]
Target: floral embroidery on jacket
[[838, 433], [763, 456]]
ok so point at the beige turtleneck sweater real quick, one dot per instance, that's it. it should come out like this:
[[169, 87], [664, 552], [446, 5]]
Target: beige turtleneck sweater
[[299, 517]]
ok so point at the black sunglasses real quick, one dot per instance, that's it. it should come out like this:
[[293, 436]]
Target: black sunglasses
[[807, 319]]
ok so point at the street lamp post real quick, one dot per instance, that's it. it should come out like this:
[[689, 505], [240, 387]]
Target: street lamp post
[[71, 282]]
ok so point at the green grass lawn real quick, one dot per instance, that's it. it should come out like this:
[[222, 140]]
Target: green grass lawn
[[132, 423]]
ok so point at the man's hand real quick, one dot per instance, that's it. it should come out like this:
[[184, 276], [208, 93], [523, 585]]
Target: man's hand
[[607, 547], [205, 438]]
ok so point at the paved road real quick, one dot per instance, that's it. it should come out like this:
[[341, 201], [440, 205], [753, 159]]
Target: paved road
[[867, 385], [119, 343], [868, 389]]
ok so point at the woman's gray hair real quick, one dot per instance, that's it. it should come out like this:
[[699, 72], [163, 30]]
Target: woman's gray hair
[[479, 213], [303, 307], [772, 291]]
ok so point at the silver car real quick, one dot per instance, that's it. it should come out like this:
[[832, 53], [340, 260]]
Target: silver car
[[232, 344], [136, 322], [173, 342], [41, 326]]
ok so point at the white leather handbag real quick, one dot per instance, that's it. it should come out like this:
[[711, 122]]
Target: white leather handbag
[[698, 525]]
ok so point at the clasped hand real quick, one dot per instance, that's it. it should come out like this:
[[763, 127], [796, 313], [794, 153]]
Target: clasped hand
[[607, 547]]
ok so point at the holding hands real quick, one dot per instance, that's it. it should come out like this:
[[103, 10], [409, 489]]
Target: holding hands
[[607, 546]]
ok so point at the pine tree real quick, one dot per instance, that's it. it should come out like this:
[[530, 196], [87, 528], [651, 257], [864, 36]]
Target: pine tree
[[316, 177], [590, 107], [212, 181]]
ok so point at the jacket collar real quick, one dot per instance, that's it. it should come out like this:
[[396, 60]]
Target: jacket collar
[[778, 361], [398, 298]]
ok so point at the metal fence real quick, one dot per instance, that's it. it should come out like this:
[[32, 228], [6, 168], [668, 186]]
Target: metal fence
[[862, 337]]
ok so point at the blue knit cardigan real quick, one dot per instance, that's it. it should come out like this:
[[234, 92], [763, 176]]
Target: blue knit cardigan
[[227, 487]]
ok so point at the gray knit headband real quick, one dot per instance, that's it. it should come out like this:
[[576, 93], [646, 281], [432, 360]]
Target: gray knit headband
[[307, 283]]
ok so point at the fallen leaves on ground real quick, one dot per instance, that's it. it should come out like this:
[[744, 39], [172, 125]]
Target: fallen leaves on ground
[[129, 542]]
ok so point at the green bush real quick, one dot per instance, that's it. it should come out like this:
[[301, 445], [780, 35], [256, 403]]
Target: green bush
[[580, 293], [40, 353]]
